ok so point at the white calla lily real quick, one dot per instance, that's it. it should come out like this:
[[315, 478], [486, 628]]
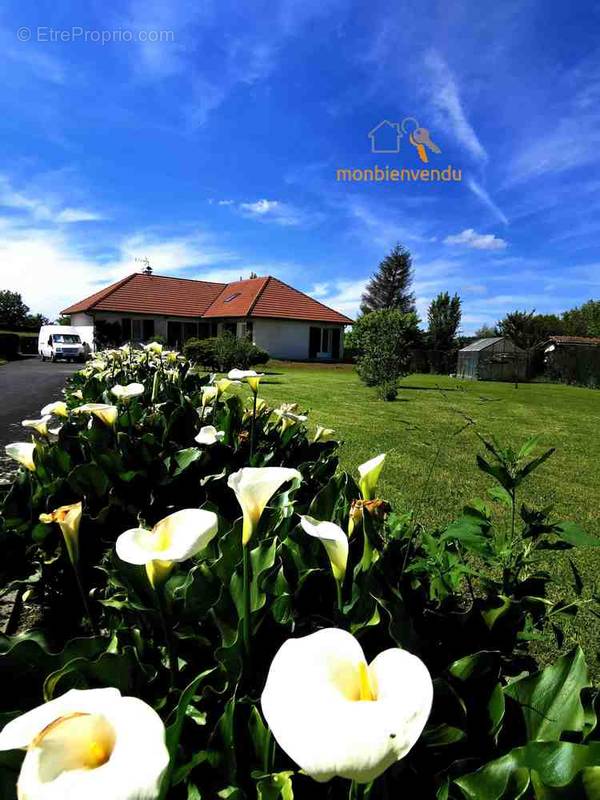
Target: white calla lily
[[334, 714], [68, 519], [78, 394], [209, 394], [58, 408], [323, 434], [369, 475], [154, 347], [209, 435], [334, 540], [38, 425], [254, 487], [127, 393], [174, 539], [223, 384], [92, 744], [249, 375], [23, 453], [105, 413]]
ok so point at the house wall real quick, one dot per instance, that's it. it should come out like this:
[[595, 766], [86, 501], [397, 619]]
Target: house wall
[[288, 339], [85, 327], [282, 338]]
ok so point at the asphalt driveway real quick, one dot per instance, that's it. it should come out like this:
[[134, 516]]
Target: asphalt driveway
[[25, 387]]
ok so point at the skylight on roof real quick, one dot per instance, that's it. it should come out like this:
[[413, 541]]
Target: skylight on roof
[[231, 297]]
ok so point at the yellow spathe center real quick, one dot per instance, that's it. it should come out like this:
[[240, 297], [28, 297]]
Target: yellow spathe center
[[354, 681], [75, 741], [366, 690]]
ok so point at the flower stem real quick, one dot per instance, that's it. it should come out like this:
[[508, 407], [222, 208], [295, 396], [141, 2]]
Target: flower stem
[[253, 424], [340, 602], [86, 607], [247, 592], [162, 611]]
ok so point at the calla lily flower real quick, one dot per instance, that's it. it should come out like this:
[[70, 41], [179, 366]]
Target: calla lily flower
[[209, 435], [68, 519], [90, 743], [174, 539], [323, 434], [334, 714], [254, 487], [78, 394], [127, 393], [38, 425], [334, 540], [209, 394], [224, 383], [23, 453], [251, 376], [153, 347], [369, 475], [58, 408], [97, 364], [104, 412]]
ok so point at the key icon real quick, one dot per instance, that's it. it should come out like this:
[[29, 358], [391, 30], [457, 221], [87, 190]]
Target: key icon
[[420, 138]]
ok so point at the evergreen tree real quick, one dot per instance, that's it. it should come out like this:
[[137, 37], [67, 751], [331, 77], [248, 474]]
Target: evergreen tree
[[390, 286], [485, 332], [444, 315]]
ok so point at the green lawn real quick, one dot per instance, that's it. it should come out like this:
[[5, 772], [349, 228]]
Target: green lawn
[[431, 468]]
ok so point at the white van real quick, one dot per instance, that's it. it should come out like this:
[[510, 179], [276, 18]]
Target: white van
[[61, 341]]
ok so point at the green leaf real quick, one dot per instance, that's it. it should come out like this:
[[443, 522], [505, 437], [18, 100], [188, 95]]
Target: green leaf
[[184, 458], [275, 787], [548, 765], [500, 495], [571, 533], [89, 479], [174, 730], [492, 615], [550, 700]]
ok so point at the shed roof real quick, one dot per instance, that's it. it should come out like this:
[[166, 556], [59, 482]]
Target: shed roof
[[586, 341], [482, 344]]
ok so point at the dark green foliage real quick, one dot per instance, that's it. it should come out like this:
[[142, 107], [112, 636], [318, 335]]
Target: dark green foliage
[[467, 598], [444, 316], [390, 286], [14, 313], [583, 320], [388, 390], [224, 352], [383, 340]]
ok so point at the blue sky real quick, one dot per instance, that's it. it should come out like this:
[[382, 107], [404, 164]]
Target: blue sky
[[214, 151]]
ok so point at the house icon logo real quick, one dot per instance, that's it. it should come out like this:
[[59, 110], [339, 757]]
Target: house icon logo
[[385, 137]]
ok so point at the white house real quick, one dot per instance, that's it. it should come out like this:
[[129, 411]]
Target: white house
[[285, 322]]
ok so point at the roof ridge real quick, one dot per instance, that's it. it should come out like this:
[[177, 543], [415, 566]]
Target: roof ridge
[[179, 278], [318, 302], [265, 282]]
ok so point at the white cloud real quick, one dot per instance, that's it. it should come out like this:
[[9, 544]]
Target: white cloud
[[344, 296], [484, 196], [276, 212], [477, 241], [42, 207], [445, 98]]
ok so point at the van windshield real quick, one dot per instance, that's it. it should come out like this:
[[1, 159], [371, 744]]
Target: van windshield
[[66, 338]]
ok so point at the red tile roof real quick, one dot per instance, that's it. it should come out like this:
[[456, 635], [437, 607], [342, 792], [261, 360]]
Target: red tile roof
[[153, 294], [280, 301], [182, 297], [237, 298]]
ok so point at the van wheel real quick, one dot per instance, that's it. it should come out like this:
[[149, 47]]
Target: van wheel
[[53, 358]]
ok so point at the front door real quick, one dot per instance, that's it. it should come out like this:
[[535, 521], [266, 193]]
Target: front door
[[314, 342]]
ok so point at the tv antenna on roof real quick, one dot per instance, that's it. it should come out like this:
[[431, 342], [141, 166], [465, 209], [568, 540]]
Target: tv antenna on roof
[[147, 268]]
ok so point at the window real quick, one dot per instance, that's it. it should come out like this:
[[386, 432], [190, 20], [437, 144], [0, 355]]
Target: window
[[66, 338], [190, 330], [231, 297]]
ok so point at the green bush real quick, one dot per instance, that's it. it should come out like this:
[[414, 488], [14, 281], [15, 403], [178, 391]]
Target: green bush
[[388, 390], [382, 340], [224, 352]]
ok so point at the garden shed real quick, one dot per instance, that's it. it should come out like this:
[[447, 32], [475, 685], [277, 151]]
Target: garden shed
[[573, 359], [493, 359]]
